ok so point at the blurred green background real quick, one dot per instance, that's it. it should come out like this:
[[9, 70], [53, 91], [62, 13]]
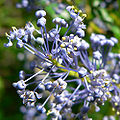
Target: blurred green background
[[10, 65]]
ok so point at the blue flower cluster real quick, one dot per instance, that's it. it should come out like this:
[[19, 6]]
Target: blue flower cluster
[[38, 4], [62, 60]]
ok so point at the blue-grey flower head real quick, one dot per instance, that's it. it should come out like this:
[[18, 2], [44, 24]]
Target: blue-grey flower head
[[63, 59], [40, 13]]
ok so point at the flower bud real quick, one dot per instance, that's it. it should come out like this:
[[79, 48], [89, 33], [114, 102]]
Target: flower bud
[[41, 22], [40, 13]]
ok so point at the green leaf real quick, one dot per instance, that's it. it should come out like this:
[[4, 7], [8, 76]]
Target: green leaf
[[115, 30], [105, 15]]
